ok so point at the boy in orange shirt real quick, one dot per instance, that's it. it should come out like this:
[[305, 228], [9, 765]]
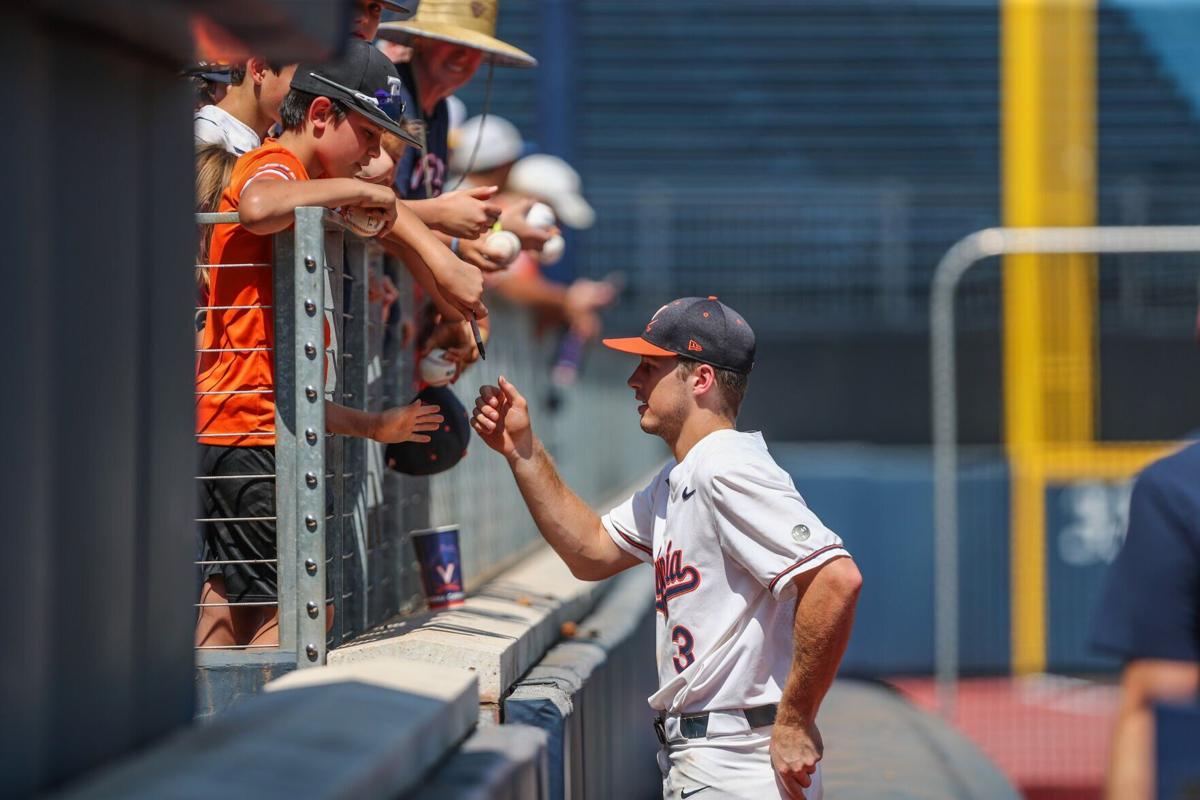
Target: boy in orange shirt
[[332, 123]]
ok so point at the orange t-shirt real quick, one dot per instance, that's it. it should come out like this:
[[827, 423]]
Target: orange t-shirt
[[235, 400]]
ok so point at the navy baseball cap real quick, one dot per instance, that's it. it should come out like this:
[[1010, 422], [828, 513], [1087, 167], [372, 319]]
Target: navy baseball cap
[[365, 81], [700, 328], [446, 446]]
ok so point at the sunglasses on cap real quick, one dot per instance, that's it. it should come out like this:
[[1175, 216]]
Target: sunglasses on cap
[[390, 102]]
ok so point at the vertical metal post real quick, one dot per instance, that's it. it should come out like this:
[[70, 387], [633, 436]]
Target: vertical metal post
[[943, 380], [944, 383], [335, 446], [354, 462], [299, 436]]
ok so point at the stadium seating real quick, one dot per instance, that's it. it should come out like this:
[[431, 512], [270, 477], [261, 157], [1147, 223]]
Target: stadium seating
[[705, 105]]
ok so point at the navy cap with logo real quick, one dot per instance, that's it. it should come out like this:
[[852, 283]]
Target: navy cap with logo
[[446, 446], [399, 9], [700, 328], [365, 81]]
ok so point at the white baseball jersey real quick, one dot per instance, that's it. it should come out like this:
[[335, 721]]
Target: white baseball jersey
[[727, 533]]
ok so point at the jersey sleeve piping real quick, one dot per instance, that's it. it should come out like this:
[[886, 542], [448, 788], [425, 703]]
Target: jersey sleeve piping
[[828, 551], [629, 537], [625, 541]]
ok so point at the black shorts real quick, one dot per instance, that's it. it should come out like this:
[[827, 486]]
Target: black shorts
[[239, 483]]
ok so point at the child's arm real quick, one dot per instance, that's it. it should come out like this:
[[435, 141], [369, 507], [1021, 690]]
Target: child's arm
[[268, 205], [409, 423], [466, 213], [457, 284]]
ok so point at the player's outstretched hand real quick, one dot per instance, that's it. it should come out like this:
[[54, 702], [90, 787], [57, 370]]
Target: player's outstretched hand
[[795, 750], [409, 423], [501, 419]]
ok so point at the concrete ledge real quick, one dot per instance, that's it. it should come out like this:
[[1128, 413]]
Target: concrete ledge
[[498, 763], [589, 695], [498, 634], [366, 731]]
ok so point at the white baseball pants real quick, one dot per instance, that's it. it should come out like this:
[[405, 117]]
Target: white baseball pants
[[734, 765]]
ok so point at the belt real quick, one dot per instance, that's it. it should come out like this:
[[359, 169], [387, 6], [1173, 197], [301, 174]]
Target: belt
[[695, 726]]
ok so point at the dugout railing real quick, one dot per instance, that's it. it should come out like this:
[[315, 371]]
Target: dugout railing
[[343, 518]]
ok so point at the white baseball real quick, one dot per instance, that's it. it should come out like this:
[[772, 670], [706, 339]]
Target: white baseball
[[436, 369], [541, 216], [503, 246], [552, 250], [363, 221]]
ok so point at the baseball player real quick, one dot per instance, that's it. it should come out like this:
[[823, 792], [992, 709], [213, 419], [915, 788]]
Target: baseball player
[[754, 595]]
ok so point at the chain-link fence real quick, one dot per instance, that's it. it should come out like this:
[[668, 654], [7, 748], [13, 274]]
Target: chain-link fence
[[844, 257]]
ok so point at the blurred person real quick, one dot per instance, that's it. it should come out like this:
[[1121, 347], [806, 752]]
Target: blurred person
[[248, 110], [210, 82], [214, 166], [331, 130], [365, 16], [381, 170], [555, 183], [450, 39], [754, 596], [491, 154], [1149, 614]]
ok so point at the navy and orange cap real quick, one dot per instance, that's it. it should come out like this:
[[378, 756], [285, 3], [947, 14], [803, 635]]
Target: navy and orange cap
[[700, 328]]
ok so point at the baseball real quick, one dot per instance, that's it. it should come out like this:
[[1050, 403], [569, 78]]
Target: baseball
[[503, 246], [436, 369], [363, 221], [552, 250], [541, 216]]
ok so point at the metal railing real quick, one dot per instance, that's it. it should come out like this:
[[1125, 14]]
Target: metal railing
[[948, 276], [342, 518]]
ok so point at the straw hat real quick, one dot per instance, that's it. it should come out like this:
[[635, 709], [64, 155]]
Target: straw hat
[[471, 23]]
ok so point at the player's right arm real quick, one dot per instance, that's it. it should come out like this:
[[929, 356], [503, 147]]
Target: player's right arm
[[573, 529]]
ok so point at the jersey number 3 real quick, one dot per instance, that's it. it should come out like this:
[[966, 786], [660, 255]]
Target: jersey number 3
[[684, 643]]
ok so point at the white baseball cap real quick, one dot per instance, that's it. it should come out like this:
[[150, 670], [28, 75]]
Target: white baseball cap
[[493, 142], [554, 181]]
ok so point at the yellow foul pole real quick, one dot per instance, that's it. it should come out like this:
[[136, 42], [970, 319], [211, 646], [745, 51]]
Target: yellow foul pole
[[1048, 118]]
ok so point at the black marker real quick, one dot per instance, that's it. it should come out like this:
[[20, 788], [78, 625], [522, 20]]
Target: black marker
[[478, 338]]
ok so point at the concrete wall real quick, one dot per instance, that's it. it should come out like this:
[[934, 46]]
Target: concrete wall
[[97, 479]]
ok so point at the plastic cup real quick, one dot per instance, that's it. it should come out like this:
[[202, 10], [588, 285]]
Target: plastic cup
[[441, 565]]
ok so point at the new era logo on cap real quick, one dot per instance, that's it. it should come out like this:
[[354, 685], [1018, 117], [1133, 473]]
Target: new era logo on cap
[[700, 328]]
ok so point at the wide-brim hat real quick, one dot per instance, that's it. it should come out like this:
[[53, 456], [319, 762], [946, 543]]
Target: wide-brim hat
[[470, 23]]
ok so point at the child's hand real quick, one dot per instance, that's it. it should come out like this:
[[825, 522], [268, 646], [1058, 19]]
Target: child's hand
[[379, 199], [513, 219], [407, 423], [475, 253], [461, 285], [467, 213]]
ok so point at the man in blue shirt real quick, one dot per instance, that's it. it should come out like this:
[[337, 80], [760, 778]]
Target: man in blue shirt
[[1149, 613]]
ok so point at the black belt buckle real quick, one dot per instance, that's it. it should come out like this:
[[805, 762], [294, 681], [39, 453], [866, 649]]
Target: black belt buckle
[[660, 730], [694, 726]]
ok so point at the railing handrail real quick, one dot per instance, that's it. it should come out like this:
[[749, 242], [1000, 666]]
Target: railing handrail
[[957, 261]]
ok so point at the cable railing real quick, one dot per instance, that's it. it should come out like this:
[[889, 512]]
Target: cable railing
[[339, 519]]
